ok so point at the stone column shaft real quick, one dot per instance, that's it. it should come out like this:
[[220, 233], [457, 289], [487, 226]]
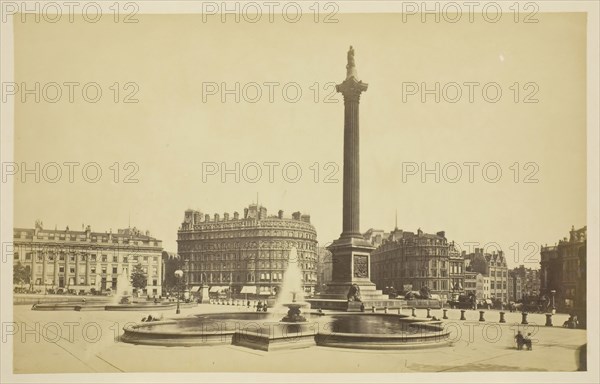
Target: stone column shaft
[[351, 200]]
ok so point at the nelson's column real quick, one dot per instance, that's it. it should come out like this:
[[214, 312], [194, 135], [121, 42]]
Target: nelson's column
[[351, 252]]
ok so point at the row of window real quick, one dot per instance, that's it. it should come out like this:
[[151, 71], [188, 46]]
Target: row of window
[[83, 258], [262, 265], [250, 256], [413, 273], [114, 240], [497, 286], [235, 234], [71, 281], [273, 245], [250, 277], [93, 269], [496, 273], [419, 263]]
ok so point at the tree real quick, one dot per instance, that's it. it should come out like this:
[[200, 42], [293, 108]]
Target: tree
[[139, 278], [21, 274]]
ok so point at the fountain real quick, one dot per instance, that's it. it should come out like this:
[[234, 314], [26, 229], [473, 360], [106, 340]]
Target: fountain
[[295, 330], [291, 294], [124, 289], [293, 315]]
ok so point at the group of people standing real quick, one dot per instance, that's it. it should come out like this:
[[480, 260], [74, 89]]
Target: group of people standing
[[260, 307]]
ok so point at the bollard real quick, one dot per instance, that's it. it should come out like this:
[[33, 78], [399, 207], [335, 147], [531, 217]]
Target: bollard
[[414, 313], [481, 315], [400, 310], [548, 319], [385, 310], [524, 320], [429, 313], [462, 314], [445, 315], [502, 317], [373, 309]]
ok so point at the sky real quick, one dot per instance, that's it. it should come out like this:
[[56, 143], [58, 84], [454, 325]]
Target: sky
[[173, 144]]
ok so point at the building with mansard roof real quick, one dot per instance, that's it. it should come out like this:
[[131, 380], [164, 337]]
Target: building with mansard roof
[[409, 261], [246, 254]]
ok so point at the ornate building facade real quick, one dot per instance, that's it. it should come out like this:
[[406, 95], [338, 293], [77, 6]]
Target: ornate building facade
[[457, 271], [79, 261], [410, 261], [247, 254], [494, 270], [563, 270]]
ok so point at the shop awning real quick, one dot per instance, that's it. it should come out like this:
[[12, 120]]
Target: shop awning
[[218, 288], [195, 288], [248, 289]]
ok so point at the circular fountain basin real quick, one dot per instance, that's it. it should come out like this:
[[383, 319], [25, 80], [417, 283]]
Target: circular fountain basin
[[206, 329], [380, 331], [364, 331], [61, 306]]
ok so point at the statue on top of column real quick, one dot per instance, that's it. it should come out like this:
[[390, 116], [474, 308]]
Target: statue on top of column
[[351, 66], [351, 57]]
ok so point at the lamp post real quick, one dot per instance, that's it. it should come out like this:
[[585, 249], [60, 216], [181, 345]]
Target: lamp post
[[178, 276], [553, 292]]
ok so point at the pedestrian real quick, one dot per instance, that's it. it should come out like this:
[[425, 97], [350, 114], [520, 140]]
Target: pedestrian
[[520, 340], [527, 341]]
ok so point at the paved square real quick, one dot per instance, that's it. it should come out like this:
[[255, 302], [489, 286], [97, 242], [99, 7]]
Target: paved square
[[79, 342]]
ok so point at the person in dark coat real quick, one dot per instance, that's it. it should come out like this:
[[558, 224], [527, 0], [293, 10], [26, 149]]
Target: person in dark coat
[[520, 340]]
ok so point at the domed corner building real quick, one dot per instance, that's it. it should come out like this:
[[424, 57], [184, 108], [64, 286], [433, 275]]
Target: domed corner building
[[246, 257]]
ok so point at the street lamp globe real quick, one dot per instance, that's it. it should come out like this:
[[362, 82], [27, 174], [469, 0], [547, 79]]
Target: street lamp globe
[[179, 273]]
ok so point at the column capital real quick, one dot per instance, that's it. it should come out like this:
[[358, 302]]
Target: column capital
[[351, 88]]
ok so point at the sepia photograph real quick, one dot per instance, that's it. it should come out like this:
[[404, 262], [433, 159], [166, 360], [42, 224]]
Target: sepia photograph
[[293, 191]]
